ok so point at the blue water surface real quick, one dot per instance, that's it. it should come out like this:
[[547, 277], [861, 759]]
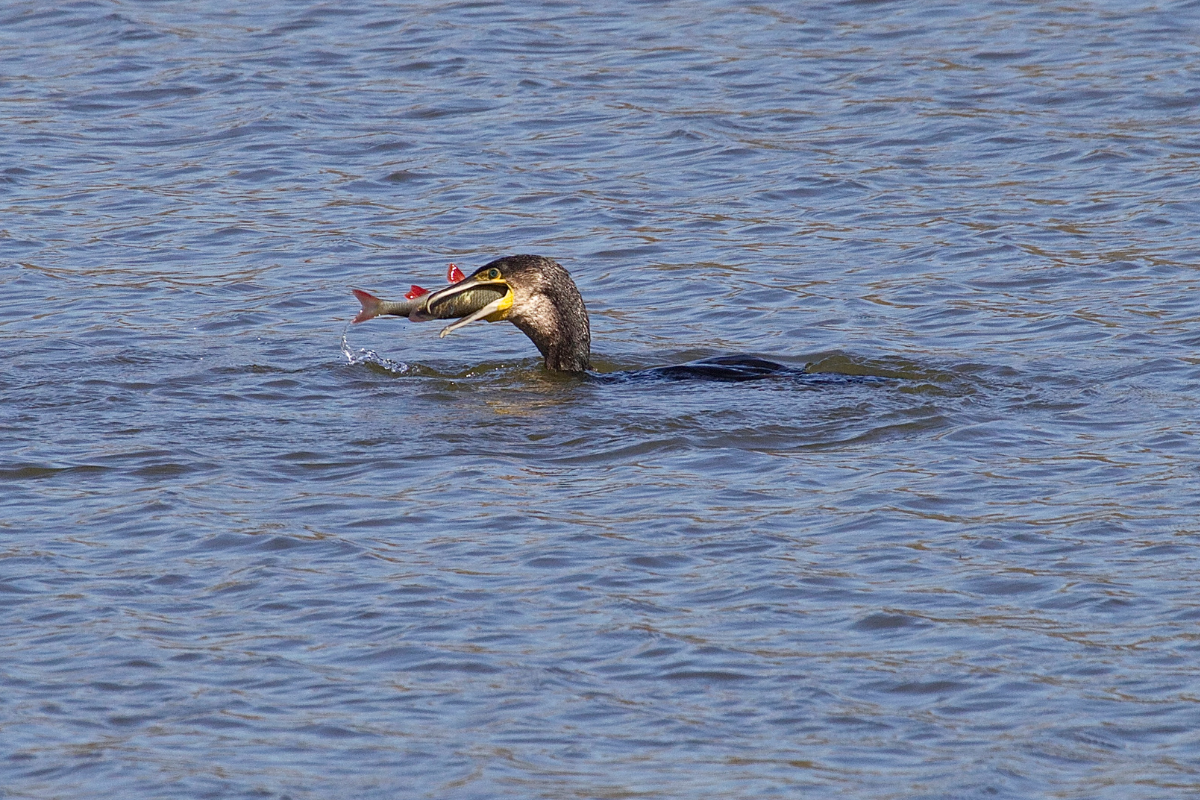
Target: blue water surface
[[247, 551]]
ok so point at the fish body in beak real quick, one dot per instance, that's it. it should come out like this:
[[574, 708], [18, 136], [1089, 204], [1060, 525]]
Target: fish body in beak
[[436, 305], [481, 296]]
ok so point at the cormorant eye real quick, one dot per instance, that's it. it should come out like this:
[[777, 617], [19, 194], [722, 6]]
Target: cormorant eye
[[493, 273]]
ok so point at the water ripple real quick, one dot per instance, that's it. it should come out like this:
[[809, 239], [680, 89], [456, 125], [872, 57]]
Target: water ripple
[[251, 551]]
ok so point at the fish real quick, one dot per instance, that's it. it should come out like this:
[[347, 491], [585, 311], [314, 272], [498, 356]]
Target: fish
[[417, 308], [459, 305], [373, 306]]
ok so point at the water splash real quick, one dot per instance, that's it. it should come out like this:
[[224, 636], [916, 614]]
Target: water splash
[[369, 357]]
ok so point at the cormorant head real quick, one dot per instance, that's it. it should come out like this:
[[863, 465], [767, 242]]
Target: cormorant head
[[539, 298]]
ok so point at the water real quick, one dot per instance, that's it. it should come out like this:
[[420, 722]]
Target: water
[[244, 556]]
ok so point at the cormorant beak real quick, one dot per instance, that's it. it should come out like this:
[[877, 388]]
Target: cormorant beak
[[494, 311]]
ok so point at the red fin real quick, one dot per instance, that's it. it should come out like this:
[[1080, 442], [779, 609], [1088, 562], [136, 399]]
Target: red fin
[[370, 305], [454, 274], [415, 292]]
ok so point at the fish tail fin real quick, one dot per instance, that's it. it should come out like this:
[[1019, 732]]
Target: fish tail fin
[[370, 305]]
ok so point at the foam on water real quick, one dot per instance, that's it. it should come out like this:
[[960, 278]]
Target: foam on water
[[369, 357]]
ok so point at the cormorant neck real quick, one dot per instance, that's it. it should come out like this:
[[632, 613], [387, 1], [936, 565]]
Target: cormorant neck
[[552, 314], [564, 340]]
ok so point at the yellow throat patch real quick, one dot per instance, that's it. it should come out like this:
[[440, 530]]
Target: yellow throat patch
[[501, 313]]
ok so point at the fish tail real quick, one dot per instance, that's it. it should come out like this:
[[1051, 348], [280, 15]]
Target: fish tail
[[370, 305]]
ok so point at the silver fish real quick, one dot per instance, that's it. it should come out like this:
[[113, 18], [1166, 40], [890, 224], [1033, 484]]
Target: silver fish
[[418, 309], [458, 305]]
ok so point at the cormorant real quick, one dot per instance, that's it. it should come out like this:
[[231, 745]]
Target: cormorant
[[537, 295]]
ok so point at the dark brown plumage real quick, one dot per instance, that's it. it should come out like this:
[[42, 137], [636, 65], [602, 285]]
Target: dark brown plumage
[[548, 308]]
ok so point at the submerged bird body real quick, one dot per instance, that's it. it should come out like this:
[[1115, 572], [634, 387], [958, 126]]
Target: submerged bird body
[[537, 295]]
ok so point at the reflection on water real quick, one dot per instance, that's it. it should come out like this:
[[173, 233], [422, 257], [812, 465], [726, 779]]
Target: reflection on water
[[945, 551]]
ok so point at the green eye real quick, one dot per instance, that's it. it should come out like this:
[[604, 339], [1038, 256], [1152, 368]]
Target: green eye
[[493, 273]]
